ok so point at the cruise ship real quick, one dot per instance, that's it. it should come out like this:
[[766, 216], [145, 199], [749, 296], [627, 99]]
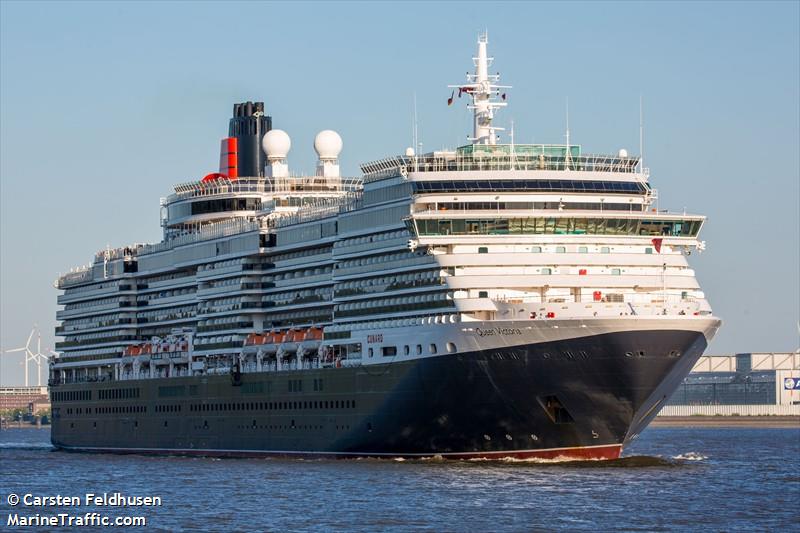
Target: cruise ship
[[496, 300]]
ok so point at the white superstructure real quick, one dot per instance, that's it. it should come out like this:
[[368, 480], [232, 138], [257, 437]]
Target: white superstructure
[[445, 252]]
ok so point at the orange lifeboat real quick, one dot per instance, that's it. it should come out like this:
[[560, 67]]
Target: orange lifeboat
[[132, 350], [313, 334], [296, 335]]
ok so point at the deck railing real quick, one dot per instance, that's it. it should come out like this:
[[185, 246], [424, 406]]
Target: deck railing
[[464, 162], [277, 186]]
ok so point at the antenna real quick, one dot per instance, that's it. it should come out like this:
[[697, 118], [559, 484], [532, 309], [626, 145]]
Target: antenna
[[414, 132], [567, 158], [511, 135], [417, 145], [641, 136]]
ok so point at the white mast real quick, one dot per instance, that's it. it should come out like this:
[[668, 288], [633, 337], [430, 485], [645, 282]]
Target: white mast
[[414, 125], [641, 137], [481, 88], [511, 137], [567, 156]]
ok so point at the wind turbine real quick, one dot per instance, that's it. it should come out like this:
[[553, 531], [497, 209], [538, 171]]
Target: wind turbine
[[31, 356]]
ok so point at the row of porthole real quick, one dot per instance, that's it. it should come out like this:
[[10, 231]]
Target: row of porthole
[[119, 409], [274, 406], [247, 406], [274, 427], [533, 437], [391, 351], [642, 353], [105, 410], [71, 396], [561, 250], [253, 426]]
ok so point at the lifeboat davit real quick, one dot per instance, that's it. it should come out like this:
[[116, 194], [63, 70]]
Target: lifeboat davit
[[270, 342], [254, 339], [263, 342], [132, 350], [311, 341], [290, 341]]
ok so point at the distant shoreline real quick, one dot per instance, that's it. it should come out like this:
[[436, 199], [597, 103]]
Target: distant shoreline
[[24, 425], [727, 421]]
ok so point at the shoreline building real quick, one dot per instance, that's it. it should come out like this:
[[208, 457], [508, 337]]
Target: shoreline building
[[755, 384], [23, 397]]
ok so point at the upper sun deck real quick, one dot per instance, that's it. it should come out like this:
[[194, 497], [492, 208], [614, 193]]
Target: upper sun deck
[[280, 186], [505, 157]]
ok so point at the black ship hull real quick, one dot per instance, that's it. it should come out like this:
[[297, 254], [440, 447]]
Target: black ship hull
[[583, 397]]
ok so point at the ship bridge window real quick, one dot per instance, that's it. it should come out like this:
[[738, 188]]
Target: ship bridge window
[[558, 226], [579, 186]]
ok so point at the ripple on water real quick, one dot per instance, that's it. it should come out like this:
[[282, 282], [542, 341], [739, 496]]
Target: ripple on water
[[669, 480]]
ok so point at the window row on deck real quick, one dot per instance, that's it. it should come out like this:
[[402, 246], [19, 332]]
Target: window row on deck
[[558, 226], [567, 186]]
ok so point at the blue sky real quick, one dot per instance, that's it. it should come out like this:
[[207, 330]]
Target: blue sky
[[104, 106]]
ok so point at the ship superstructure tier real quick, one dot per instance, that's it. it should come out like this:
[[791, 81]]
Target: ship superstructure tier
[[486, 264]]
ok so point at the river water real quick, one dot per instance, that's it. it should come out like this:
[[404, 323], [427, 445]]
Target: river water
[[671, 479]]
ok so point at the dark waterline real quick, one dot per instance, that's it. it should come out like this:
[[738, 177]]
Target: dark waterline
[[670, 479]]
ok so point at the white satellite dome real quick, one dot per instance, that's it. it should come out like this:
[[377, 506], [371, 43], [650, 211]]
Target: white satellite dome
[[623, 153], [276, 144], [328, 144]]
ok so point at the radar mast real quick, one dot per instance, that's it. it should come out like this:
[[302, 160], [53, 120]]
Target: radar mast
[[483, 89]]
